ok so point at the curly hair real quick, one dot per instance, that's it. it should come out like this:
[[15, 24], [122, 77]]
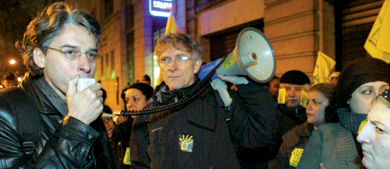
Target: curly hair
[[181, 42], [47, 25]]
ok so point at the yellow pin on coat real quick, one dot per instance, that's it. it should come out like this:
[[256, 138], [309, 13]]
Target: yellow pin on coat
[[296, 157], [126, 159]]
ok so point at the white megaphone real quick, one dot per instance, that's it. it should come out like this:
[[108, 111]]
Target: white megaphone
[[253, 56]]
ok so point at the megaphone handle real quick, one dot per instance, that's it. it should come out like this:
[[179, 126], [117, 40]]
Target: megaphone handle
[[208, 77], [225, 96]]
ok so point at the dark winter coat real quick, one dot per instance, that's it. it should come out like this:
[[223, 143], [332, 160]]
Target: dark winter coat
[[201, 134], [291, 117], [63, 143]]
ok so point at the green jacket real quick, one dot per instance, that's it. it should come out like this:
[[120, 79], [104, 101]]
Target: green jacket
[[332, 145]]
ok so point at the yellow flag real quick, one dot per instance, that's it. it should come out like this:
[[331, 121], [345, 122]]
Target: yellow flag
[[158, 81], [170, 28], [324, 66], [378, 41], [171, 25]]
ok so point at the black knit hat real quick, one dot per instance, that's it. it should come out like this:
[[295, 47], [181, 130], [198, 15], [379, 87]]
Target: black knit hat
[[357, 73], [147, 90], [295, 77]]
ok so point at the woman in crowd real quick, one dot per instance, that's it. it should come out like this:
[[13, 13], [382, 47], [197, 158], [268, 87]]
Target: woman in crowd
[[375, 136], [136, 98], [138, 95], [334, 144], [108, 122], [294, 141]]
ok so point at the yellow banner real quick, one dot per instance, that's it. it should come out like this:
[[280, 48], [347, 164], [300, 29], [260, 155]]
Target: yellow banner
[[171, 25], [378, 41], [324, 67]]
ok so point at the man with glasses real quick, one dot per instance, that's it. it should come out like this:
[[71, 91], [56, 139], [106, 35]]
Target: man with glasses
[[59, 48], [201, 133]]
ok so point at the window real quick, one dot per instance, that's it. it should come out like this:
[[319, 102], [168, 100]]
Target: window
[[107, 69], [107, 8], [102, 68], [112, 67], [354, 20]]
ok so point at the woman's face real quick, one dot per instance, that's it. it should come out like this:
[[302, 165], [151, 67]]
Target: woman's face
[[362, 98], [135, 99], [315, 109], [375, 137], [109, 124]]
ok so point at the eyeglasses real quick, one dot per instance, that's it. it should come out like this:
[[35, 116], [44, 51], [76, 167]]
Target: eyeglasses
[[165, 61], [73, 54]]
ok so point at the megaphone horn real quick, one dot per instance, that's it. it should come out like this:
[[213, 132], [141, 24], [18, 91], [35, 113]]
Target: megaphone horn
[[253, 56]]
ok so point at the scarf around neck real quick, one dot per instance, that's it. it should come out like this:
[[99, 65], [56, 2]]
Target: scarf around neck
[[350, 121]]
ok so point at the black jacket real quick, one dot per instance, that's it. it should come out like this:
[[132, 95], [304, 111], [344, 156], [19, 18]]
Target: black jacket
[[291, 117], [120, 142], [63, 143], [201, 134]]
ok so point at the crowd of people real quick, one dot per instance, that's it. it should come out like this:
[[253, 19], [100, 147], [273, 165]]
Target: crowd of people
[[286, 123]]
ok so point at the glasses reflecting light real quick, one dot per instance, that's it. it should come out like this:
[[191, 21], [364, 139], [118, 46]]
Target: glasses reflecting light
[[165, 61]]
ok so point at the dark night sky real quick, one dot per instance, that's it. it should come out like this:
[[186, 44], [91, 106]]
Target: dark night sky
[[14, 18]]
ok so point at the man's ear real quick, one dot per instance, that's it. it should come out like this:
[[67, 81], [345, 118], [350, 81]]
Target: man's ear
[[198, 64], [39, 57]]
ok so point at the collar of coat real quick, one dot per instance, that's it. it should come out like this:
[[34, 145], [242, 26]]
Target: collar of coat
[[45, 98], [202, 116]]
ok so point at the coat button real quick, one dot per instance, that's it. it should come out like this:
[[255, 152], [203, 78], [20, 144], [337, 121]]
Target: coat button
[[90, 136]]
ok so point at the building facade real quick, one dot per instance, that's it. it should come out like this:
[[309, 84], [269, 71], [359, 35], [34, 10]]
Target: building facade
[[297, 30]]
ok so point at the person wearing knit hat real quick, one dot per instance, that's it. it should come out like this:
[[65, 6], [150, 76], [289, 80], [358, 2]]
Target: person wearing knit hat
[[292, 84], [294, 81], [360, 82], [356, 74]]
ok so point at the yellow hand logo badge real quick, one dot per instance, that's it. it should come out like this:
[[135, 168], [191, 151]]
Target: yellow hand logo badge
[[186, 142], [296, 157]]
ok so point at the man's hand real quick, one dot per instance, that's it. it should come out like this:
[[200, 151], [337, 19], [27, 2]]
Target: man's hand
[[322, 166], [233, 79], [85, 105]]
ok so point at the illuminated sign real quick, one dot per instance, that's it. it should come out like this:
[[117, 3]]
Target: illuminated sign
[[160, 7]]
